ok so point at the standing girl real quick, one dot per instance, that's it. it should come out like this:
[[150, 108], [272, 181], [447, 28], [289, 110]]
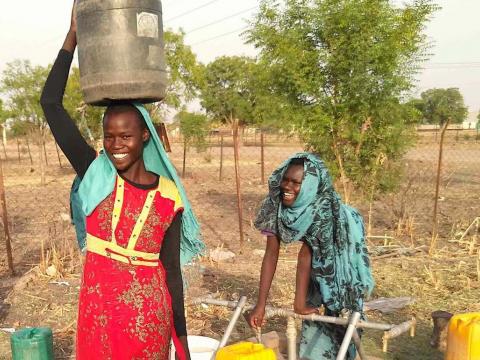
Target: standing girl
[[139, 227]]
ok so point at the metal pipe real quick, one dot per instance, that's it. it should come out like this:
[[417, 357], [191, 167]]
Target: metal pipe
[[384, 343], [258, 335], [414, 327], [207, 300], [352, 322], [236, 314], [292, 339], [271, 312], [390, 331], [399, 329], [358, 345]]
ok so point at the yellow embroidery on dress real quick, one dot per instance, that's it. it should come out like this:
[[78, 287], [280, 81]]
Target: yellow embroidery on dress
[[105, 248], [117, 207], [169, 190]]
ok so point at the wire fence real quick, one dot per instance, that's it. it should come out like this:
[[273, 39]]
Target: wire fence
[[35, 210], [458, 180], [406, 213], [42, 237]]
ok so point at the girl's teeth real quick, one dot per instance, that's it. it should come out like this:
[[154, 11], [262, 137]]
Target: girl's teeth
[[119, 156]]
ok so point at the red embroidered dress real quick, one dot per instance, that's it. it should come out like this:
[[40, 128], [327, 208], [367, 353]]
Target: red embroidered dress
[[124, 307]]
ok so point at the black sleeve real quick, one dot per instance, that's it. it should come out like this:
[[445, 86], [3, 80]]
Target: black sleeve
[[170, 258], [66, 133]]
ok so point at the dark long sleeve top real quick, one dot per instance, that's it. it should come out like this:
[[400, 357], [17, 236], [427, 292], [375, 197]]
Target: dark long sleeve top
[[81, 155]]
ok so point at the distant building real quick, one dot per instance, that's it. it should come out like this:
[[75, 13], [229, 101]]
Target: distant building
[[428, 127], [471, 121]]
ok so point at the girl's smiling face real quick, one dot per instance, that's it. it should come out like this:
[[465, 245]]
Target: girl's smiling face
[[291, 184], [123, 139]]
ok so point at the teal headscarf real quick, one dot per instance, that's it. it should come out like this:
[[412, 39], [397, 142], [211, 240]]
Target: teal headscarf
[[333, 230], [99, 182]]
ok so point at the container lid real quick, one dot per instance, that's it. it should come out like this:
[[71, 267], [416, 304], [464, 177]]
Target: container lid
[[86, 6], [32, 333]]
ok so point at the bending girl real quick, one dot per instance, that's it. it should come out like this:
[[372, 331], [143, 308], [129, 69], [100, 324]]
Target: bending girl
[[333, 270]]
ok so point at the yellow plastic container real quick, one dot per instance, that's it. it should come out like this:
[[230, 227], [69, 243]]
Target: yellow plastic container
[[463, 339], [245, 351]]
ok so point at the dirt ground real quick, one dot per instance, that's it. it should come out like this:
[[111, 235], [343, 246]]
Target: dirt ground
[[448, 280]]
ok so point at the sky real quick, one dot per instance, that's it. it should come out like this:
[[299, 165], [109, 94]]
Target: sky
[[35, 29]]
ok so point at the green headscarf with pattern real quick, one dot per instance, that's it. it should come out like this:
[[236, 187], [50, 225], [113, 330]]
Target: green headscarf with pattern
[[333, 230]]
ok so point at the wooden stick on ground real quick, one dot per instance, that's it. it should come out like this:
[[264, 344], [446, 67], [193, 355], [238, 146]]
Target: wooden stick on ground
[[8, 242], [437, 190]]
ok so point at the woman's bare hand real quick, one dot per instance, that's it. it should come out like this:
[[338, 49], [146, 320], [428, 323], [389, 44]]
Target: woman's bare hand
[[256, 318]]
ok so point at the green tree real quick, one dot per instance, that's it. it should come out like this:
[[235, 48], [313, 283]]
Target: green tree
[[439, 105], [269, 109], [226, 91], [22, 85], [4, 114], [343, 68], [88, 118], [194, 128], [238, 88], [184, 76], [226, 96]]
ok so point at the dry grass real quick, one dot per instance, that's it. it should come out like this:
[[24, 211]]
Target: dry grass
[[448, 280]]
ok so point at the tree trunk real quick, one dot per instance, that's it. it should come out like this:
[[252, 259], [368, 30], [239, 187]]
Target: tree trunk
[[3, 208], [4, 135], [237, 178], [343, 176], [221, 159], [29, 152], [4, 141], [374, 181], [365, 126], [58, 155], [44, 148], [18, 150], [42, 160], [262, 157], [184, 157], [370, 208], [433, 242]]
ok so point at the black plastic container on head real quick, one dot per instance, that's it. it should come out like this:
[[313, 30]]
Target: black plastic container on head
[[121, 50]]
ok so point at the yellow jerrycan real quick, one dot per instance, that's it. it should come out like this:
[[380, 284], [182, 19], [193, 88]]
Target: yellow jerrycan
[[245, 351], [463, 339]]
